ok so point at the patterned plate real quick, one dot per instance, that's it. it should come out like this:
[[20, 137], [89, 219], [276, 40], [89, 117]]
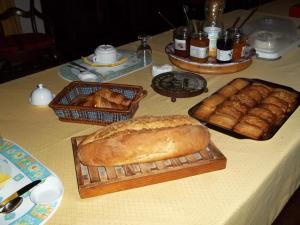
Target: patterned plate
[[24, 169]]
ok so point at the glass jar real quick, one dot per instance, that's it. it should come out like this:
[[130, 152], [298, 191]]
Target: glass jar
[[181, 37], [239, 45], [225, 47], [144, 51], [199, 47], [212, 24]]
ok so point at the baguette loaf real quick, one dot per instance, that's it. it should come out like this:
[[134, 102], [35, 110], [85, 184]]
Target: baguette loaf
[[143, 139]]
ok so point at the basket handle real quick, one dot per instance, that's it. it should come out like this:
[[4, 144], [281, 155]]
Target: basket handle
[[140, 97]]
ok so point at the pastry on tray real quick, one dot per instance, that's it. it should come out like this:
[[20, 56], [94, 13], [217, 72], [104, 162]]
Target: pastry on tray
[[228, 91], [248, 130], [223, 120], [278, 102], [250, 108], [214, 100], [239, 83], [264, 114]]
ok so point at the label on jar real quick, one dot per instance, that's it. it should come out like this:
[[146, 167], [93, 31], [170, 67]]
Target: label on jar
[[180, 44], [243, 51], [213, 35], [224, 55], [199, 52]]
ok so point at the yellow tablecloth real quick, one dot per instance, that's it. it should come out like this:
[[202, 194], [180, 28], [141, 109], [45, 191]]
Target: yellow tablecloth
[[259, 178]]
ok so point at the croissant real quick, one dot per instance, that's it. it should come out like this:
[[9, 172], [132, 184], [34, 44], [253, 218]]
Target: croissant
[[101, 102], [114, 97]]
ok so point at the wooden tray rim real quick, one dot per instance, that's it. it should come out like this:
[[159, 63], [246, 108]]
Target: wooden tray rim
[[157, 176], [207, 68]]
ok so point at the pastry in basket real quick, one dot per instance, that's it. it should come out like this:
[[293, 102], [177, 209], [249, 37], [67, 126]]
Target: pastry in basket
[[100, 102], [143, 139], [105, 98], [248, 130], [223, 120], [114, 97]]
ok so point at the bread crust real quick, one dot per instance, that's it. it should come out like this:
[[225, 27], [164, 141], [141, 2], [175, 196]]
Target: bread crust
[[144, 139]]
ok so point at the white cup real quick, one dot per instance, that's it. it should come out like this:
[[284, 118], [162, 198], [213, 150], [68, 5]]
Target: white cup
[[105, 54]]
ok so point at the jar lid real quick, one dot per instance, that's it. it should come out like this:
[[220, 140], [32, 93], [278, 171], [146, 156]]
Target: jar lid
[[235, 32], [182, 31], [226, 35], [200, 34]]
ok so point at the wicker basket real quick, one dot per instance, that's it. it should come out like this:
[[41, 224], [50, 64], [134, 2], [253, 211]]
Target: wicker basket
[[63, 108]]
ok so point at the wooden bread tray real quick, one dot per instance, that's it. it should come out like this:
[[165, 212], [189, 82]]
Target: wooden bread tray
[[94, 181]]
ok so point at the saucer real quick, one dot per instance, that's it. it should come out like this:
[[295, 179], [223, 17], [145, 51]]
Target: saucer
[[87, 77], [121, 58]]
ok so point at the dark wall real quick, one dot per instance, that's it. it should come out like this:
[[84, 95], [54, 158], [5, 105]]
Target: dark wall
[[81, 25]]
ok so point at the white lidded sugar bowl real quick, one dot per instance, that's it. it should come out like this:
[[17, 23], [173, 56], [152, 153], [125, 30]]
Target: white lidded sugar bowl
[[41, 96]]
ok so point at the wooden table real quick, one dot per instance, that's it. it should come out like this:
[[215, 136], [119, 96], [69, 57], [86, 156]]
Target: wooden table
[[258, 181]]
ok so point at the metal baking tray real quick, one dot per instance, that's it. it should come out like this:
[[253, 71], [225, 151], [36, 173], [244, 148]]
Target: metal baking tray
[[273, 129]]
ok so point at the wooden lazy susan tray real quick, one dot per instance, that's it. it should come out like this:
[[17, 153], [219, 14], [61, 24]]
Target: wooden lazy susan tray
[[210, 67], [94, 181]]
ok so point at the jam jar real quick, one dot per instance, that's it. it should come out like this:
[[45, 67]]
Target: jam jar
[[239, 45], [225, 47], [199, 46], [181, 37]]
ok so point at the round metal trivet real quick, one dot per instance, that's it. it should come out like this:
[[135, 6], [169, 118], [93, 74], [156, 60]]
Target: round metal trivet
[[179, 84]]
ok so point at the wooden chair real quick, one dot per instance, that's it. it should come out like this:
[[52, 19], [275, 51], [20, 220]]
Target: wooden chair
[[26, 52]]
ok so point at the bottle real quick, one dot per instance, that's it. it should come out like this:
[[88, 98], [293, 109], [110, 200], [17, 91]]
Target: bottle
[[239, 45], [225, 47], [144, 51], [181, 37], [212, 24], [199, 47]]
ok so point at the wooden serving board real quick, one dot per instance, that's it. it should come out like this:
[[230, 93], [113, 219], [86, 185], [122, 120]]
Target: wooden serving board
[[210, 68], [94, 181], [215, 69]]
